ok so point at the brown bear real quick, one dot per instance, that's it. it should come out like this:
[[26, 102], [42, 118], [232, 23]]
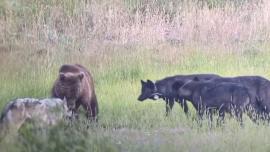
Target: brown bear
[[75, 83]]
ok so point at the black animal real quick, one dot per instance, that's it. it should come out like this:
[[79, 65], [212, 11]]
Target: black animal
[[259, 89], [167, 89], [207, 96]]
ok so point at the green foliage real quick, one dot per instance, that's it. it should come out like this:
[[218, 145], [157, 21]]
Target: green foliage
[[63, 137], [125, 124]]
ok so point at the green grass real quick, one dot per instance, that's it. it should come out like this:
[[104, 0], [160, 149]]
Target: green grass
[[122, 42], [126, 124]]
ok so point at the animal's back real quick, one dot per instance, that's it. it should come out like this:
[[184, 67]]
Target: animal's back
[[41, 112], [226, 93], [258, 87], [251, 82], [185, 78], [171, 84]]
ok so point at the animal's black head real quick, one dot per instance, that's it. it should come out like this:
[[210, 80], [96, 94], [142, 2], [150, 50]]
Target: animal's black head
[[149, 91]]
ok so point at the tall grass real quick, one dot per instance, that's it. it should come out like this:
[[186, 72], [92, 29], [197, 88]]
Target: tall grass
[[78, 25], [122, 42]]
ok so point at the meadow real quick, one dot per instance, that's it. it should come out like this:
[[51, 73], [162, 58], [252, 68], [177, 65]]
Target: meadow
[[122, 42]]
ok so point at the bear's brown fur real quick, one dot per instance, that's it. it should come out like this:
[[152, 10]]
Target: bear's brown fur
[[75, 83]]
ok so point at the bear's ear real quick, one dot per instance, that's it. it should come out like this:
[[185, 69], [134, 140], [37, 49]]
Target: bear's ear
[[196, 79], [81, 75], [62, 76]]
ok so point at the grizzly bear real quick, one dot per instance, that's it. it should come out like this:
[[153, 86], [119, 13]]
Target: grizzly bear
[[76, 84]]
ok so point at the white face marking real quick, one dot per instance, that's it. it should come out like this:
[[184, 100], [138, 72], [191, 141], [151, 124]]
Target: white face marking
[[156, 97]]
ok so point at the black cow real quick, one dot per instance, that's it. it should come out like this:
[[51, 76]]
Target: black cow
[[207, 96], [167, 89]]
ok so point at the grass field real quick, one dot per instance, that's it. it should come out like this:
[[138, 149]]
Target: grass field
[[122, 42]]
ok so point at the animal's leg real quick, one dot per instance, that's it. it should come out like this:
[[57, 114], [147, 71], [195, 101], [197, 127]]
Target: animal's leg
[[74, 114], [221, 116], [184, 106], [75, 111], [88, 111], [210, 117], [239, 116], [171, 103], [253, 116], [88, 114], [201, 108], [200, 114], [94, 111], [169, 106], [91, 110], [199, 118], [254, 113]]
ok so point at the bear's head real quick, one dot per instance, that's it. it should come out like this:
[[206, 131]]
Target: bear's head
[[70, 86]]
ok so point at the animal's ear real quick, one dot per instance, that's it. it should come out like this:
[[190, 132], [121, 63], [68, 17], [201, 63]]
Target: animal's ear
[[62, 76], [149, 81], [65, 101], [81, 75], [177, 85], [142, 82], [150, 84], [196, 79]]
